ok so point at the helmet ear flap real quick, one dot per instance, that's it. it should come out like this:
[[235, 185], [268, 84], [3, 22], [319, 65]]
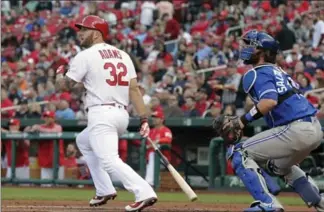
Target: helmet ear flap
[[254, 59]]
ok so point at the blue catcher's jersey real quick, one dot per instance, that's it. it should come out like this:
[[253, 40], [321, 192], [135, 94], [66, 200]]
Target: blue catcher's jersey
[[271, 82]]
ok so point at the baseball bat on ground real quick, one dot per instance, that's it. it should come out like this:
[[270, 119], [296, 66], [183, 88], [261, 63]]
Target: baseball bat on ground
[[177, 177]]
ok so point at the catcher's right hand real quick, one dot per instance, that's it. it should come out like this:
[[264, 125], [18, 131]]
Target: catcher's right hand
[[228, 128]]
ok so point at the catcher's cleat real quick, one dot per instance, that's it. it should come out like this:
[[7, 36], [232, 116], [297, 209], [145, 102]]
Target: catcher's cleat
[[258, 206], [101, 200], [139, 206], [320, 206]]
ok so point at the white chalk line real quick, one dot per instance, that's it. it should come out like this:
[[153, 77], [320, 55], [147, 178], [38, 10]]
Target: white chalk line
[[56, 208]]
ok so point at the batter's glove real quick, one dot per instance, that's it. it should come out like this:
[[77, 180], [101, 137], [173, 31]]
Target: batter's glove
[[229, 128], [61, 70], [145, 128]]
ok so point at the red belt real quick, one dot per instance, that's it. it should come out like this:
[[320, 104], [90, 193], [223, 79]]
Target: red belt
[[109, 104]]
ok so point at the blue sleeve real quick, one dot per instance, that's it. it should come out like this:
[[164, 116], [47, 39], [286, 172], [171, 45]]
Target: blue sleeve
[[265, 87]]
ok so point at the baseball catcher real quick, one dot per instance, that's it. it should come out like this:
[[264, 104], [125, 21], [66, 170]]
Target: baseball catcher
[[294, 130]]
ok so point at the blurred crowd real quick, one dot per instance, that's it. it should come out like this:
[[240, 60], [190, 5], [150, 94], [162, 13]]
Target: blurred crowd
[[186, 52]]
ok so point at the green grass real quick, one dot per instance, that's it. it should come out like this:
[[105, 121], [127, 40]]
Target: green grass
[[11, 193]]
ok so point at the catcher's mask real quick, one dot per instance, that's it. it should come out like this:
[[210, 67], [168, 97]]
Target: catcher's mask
[[253, 43]]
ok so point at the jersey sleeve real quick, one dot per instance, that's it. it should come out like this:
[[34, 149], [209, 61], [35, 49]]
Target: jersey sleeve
[[166, 136], [77, 68], [265, 87]]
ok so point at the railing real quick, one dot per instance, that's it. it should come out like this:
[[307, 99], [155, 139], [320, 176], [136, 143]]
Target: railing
[[45, 137], [195, 122], [214, 145], [319, 90], [217, 159], [171, 46], [216, 68]]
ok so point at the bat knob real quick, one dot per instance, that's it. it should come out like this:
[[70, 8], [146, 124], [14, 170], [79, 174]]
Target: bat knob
[[194, 199]]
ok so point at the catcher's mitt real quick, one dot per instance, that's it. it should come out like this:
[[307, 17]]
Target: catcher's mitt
[[228, 128]]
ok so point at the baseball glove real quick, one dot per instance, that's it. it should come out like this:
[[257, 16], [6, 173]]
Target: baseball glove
[[228, 128]]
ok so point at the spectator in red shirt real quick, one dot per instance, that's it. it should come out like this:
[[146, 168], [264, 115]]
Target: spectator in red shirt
[[35, 33], [201, 25], [22, 148], [172, 27], [223, 26], [45, 148], [6, 102]]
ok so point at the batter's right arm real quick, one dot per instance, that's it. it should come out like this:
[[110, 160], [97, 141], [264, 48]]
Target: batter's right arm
[[136, 98], [138, 102]]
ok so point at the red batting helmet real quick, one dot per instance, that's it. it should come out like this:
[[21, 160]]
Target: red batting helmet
[[95, 22]]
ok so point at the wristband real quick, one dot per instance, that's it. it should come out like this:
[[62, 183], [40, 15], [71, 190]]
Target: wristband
[[252, 115]]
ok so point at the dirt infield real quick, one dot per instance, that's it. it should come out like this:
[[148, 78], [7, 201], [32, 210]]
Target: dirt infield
[[116, 206]]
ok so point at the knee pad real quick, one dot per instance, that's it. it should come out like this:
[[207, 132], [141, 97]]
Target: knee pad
[[272, 185], [249, 172]]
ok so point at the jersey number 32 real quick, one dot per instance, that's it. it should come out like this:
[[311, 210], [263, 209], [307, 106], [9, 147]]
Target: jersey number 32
[[117, 79]]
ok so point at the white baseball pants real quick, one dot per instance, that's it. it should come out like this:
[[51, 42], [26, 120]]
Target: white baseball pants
[[105, 124], [149, 176], [47, 173], [21, 172]]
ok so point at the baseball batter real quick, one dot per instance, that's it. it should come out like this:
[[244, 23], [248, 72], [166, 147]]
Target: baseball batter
[[294, 130], [109, 78]]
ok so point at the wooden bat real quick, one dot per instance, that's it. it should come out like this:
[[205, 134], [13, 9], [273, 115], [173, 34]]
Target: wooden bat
[[177, 177]]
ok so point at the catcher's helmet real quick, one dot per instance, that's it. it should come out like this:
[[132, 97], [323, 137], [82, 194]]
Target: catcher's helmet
[[257, 40], [95, 22]]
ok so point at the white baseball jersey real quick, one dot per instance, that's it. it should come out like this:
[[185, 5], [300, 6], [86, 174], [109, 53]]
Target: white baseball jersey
[[106, 72]]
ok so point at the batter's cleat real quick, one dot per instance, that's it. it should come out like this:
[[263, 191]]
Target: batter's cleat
[[258, 206], [139, 206], [101, 200]]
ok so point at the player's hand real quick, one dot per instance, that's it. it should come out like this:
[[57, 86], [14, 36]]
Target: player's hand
[[145, 128], [35, 128], [60, 70]]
